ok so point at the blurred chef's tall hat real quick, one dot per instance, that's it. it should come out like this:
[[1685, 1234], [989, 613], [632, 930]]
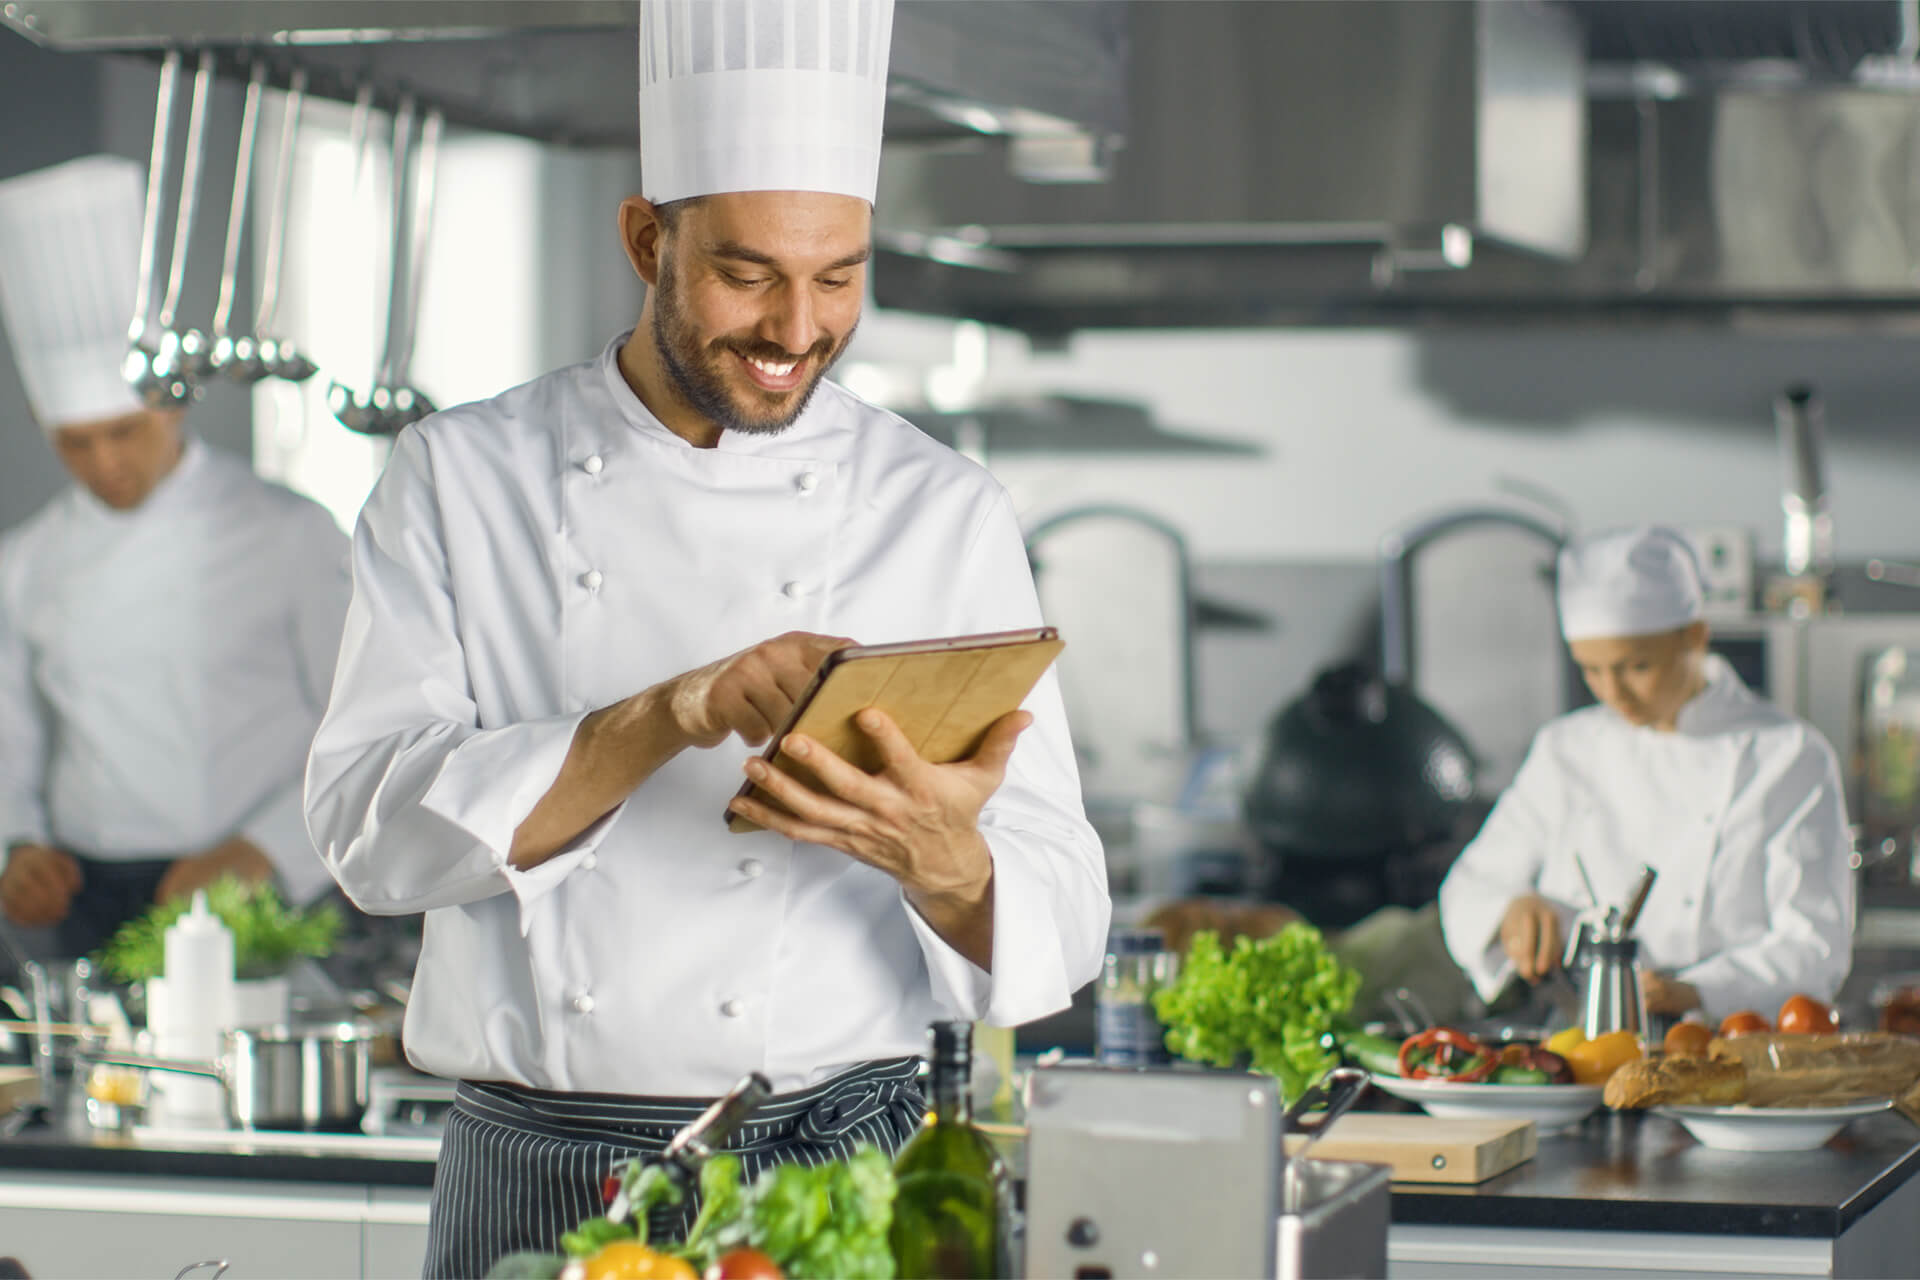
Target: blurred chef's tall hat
[[762, 95], [1639, 581], [69, 267]]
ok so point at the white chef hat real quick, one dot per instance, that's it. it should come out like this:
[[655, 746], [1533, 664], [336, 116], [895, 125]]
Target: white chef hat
[[762, 95], [69, 269], [1638, 581]]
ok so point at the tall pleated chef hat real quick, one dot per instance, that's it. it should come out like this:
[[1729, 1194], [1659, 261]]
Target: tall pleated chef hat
[[69, 267], [1639, 581], [762, 95]]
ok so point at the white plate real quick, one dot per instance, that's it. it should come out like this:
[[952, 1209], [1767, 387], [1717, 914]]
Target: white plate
[[1549, 1106], [1746, 1128]]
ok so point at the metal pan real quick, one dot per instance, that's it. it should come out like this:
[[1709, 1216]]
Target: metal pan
[[311, 1079]]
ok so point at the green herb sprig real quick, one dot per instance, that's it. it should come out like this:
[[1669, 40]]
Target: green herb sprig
[[267, 934], [1269, 1004]]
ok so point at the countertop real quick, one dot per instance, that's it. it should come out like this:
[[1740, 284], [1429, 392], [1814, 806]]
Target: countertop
[[68, 1144], [1634, 1172]]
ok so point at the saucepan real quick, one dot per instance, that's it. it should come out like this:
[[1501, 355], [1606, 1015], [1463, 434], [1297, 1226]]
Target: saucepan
[[307, 1078]]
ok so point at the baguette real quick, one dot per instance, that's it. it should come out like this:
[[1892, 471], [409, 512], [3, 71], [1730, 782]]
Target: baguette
[[1652, 1082], [1785, 1070]]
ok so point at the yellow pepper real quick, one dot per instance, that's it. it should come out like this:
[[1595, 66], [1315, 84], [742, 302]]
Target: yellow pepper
[[630, 1260], [1561, 1041]]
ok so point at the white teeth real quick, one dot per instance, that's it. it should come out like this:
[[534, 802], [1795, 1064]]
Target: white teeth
[[774, 370]]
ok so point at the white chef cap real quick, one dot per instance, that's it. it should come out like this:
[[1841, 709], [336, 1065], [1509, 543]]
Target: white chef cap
[[1639, 581], [69, 269], [762, 95]]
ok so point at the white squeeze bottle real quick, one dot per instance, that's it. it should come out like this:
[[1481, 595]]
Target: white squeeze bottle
[[196, 1009]]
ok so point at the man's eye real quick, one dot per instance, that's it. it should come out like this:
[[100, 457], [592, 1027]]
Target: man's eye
[[743, 282], [826, 283]]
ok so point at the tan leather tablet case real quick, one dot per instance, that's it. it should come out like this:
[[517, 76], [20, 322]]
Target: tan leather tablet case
[[944, 694]]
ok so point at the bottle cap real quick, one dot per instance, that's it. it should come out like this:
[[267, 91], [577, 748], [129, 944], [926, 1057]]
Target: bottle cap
[[1135, 942], [950, 1042]]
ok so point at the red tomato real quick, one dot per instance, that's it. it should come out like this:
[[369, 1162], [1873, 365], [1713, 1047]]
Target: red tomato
[[1744, 1023], [744, 1264], [1803, 1015]]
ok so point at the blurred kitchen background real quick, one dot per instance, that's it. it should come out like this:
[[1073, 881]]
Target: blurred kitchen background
[[1299, 332]]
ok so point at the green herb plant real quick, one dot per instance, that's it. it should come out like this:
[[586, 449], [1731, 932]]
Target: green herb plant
[[267, 934], [826, 1222], [1270, 1004]]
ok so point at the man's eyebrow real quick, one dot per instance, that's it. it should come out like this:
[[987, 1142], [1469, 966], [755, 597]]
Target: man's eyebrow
[[734, 251]]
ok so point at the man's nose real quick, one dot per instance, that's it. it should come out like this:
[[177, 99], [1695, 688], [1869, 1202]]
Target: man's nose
[[790, 325]]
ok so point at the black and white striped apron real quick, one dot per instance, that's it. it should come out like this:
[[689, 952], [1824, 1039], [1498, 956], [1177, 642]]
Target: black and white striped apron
[[520, 1167]]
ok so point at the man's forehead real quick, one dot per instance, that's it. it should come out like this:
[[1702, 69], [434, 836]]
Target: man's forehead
[[772, 226]]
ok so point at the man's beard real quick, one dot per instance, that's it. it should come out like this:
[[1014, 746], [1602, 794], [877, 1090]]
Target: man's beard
[[696, 370]]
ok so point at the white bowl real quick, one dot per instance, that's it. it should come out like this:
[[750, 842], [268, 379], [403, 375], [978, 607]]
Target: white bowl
[[1549, 1106], [1744, 1128]]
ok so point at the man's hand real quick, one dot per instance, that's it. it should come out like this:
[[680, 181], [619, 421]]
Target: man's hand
[[1668, 995], [918, 822], [238, 856], [38, 887], [1530, 935], [751, 692]]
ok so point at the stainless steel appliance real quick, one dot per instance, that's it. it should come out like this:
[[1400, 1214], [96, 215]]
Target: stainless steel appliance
[[307, 1078], [1113, 1156]]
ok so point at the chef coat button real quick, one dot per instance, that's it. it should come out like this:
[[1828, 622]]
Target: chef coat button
[[583, 1003], [589, 862], [732, 1008], [807, 482], [594, 465], [591, 579], [793, 590], [751, 868]]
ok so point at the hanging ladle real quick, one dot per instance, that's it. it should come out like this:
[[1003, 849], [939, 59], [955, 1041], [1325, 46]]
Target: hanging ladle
[[353, 410], [280, 357], [238, 358], [406, 402], [143, 343], [181, 354]]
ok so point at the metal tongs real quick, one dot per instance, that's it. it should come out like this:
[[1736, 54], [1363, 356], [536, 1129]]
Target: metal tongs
[[1607, 924], [694, 1145], [1337, 1091]]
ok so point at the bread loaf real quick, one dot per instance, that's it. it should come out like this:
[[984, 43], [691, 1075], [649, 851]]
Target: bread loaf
[[1651, 1082], [1812, 1071]]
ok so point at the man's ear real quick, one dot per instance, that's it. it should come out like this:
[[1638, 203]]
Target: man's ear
[[1698, 633], [640, 232]]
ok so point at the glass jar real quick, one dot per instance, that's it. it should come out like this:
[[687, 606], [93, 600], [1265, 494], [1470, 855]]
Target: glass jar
[[1126, 1030]]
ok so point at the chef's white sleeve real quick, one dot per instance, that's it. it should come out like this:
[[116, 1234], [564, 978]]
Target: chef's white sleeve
[[319, 583], [413, 805], [1502, 863], [1051, 908], [23, 730], [1808, 883]]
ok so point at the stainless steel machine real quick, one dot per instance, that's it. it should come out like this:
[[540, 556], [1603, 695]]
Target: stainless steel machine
[[1180, 1173]]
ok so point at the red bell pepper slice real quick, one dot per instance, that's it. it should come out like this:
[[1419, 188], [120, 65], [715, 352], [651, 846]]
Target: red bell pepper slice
[[1442, 1053]]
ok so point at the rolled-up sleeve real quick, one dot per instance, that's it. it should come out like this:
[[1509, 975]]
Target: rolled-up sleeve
[[411, 803], [1051, 908]]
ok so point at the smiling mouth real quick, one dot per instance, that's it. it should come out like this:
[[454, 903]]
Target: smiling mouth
[[772, 375]]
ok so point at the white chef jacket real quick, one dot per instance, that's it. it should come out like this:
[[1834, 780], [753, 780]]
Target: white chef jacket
[[1740, 811], [530, 558], [162, 670]]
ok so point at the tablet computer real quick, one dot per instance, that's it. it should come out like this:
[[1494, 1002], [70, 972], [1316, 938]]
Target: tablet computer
[[944, 694]]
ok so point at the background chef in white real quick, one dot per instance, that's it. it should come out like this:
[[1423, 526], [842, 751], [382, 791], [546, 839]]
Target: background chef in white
[[1735, 803], [577, 602], [168, 624]]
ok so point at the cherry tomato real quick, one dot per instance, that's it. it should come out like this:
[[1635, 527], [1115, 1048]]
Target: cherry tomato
[[1744, 1023], [1803, 1015], [744, 1264], [1687, 1040]]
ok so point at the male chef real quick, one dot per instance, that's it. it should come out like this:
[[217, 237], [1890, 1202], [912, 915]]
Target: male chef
[[1680, 767], [167, 625], [578, 604]]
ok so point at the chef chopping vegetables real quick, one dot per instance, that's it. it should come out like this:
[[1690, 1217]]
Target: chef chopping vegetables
[[168, 623], [577, 605], [1735, 804]]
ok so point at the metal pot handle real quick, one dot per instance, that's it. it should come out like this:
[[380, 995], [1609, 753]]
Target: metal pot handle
[[219, 1266], [184, 1067]]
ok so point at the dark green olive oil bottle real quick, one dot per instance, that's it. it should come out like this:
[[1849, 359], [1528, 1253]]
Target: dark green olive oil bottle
[[950, 1213]]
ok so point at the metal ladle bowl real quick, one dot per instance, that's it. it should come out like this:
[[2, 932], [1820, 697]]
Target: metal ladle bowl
[[282, 359]]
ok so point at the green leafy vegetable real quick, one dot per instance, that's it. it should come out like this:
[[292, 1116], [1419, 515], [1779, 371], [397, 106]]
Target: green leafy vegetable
[[595, 1234], [1269, 1004], [267, 934], [828, 1221]]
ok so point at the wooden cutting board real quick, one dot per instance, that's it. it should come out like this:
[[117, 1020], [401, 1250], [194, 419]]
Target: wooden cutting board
[[18, 1086], [1428, 1148]]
